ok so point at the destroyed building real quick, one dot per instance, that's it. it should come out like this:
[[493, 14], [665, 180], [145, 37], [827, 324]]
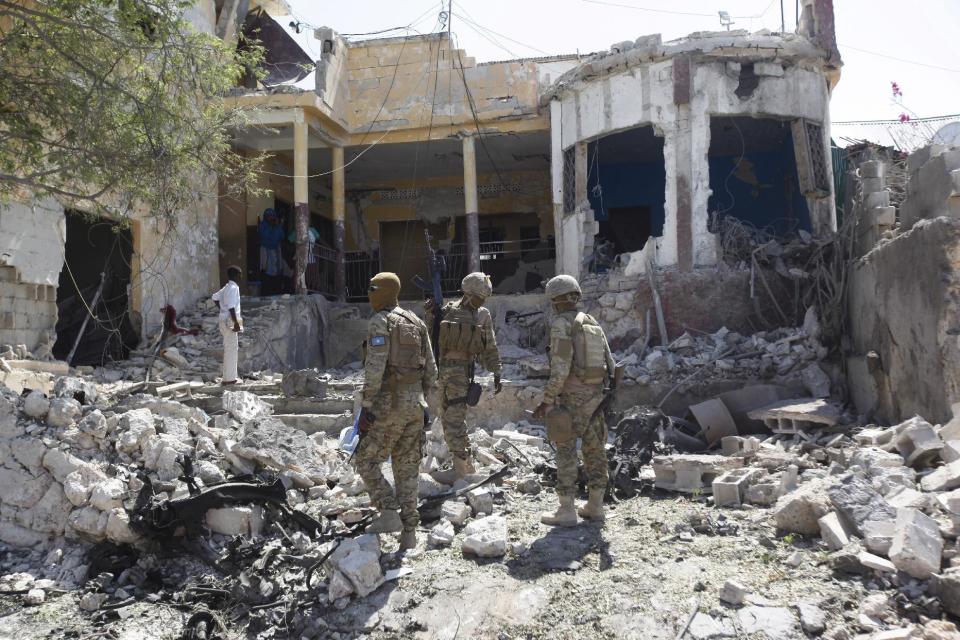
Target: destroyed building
[[785, 446]]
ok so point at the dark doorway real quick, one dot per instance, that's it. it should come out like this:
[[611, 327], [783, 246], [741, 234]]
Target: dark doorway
[[95, 278], [626, 186]]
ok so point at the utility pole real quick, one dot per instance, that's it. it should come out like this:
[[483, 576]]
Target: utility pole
[[783, 23]]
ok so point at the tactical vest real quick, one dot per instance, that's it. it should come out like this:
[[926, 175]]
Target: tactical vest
[[589, 350], [405, 358], [460, 336]]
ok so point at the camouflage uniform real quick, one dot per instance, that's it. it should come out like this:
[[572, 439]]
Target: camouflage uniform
[[395, 382], [567, 389], [478, 343]]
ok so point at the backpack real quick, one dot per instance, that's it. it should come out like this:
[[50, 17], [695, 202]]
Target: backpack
[[589, 350]]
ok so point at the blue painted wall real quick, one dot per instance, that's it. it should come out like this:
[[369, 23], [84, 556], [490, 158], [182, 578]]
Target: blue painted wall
[[765, 202], [629, 185]]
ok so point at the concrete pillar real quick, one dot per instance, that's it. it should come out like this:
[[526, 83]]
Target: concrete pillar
[[581, 170], [301, 205], [339, 216], [470, 203]]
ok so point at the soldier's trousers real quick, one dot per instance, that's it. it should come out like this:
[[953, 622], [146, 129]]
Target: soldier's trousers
[[593, 438], [396, 434], [453, 386]]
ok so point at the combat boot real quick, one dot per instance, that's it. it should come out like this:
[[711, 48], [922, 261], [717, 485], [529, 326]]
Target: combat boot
[[564, 516], [408, 540], [593, 509], [463, 466], [387, 522]]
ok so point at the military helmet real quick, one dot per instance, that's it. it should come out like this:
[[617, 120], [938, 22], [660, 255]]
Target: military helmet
[[477, 284], [562, 285]]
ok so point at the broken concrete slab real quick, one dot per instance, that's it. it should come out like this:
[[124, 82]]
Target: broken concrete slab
[[943, 478], [794, 416], [456, 512], [774, 623], [917, 544], [245, 406], [733, 592], [858, 502], [878, 536], [715, 420], [442, 534], [800, 511], [917, 442], [833, 532], [876, 563], [691, 472]]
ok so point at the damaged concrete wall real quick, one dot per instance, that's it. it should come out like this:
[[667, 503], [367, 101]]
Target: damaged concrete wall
[[676, 87], [904, 300], [409, 67], [31, 257]]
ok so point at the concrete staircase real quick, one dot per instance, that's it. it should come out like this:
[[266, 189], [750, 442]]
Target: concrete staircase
[[329, 414]]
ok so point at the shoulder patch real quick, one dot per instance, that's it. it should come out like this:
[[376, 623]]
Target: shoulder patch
[[378, 341]]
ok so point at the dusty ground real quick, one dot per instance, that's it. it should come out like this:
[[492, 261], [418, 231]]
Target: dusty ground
[[632, 578]]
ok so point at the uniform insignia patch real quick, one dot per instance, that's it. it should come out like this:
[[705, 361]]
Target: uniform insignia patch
[[378, 341]]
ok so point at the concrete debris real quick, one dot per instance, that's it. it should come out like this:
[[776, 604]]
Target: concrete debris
[[456, 513], [442, 534], [486, 537], [917, 546], [794, 416], [832, 531], [801, 510], [691, 472], [774, 623], [244, 406], [733, 592]]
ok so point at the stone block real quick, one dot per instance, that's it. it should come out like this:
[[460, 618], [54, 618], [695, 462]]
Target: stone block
[[78, 484], [362, 569], [691, 472], [906, 497], [442, 535], [832, 531], [108, 494], [917, 442], [481, 501], [730, 489], [878, 536], [36, 405], [739, 446], [871, 185], [63, 412], [917, 545], [427, 487], [950, 451], [858, 502], [733, 592], [456, 512], [876, 199], [943, 478], [884, 216], [813, 619], [245, 406], [794, 416], [876, 563], [801, 510], [486, 537], [950, 501], [872, 169], [946, 587]]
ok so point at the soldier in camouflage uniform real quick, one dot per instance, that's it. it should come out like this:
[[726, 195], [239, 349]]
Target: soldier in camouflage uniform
[[580, 365], [466, 337], [399, 371]]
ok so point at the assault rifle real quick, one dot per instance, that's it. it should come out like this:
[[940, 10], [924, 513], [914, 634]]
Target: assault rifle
[[436, 265]]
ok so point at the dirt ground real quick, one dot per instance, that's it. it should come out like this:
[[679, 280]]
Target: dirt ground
[[639, 576]]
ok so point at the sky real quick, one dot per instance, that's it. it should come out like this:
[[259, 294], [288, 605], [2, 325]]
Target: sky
[[903, 33]]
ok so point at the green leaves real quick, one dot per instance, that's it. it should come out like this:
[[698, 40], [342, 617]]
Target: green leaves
[[116, 104]]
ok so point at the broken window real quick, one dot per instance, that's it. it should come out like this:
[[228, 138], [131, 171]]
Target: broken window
[[626, 182], [753, 176], [94, 287]]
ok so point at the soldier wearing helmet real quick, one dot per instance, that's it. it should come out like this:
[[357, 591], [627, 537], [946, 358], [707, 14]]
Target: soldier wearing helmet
[[580, 365], [398, 374], [466, 337]]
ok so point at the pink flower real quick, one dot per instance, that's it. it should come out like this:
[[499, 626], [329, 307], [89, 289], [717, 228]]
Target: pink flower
[[896, 89], [904, 117]]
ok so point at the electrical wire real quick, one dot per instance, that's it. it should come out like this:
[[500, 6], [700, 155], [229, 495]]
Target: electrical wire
[[903, 60], [953, 116], [471, 21], [676, 13]]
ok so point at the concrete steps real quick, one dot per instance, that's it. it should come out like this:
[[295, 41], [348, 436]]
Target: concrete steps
[[281, 404], [310, 423]]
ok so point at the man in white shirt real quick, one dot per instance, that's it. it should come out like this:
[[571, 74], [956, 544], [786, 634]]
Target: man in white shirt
[[228, 301]]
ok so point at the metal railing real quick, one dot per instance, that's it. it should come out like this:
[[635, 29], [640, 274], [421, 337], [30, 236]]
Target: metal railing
[[321, 269]]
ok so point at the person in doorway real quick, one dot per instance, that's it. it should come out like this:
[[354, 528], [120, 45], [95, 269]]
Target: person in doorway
[[399, 372], [231, 323], [466, 337], [581, 364], [270, 232]]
